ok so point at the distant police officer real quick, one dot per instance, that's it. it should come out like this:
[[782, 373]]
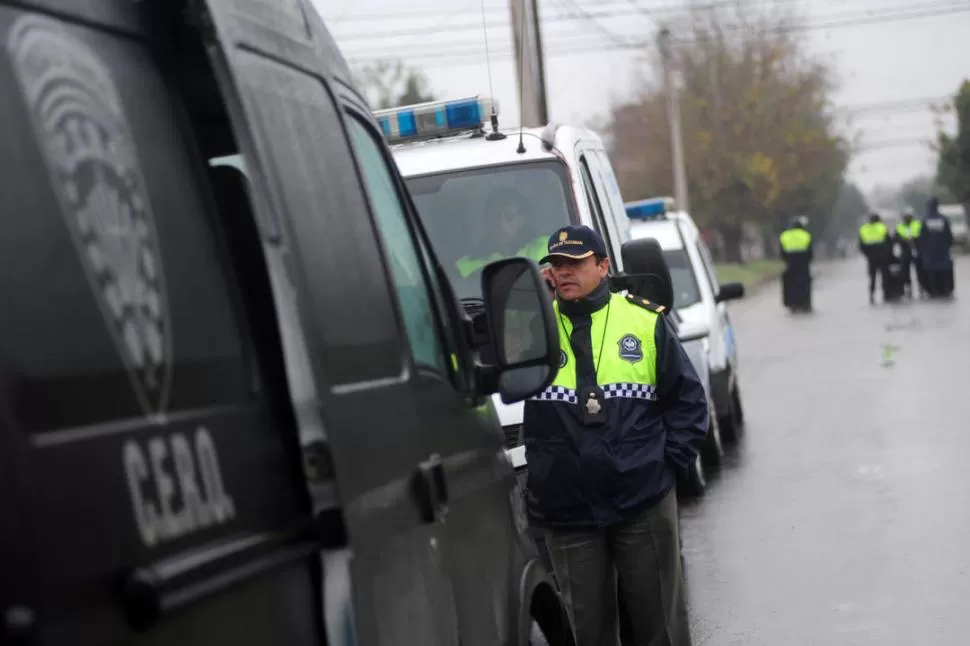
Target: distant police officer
[[907, 234], [796, 250], [605, 443], [935, 242], [507, 222], [874, 244]]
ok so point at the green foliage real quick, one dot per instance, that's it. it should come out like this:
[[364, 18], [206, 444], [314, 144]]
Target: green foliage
[[759, 142], [953, 170]]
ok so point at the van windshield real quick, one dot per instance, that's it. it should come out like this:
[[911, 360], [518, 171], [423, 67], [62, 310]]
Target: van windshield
[[477, 216], [686, 292]]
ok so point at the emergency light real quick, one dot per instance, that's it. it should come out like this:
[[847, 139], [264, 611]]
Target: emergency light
[[654, 208], [435, 119]]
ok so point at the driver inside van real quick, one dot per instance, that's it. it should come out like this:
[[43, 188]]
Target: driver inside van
[[506, 232]]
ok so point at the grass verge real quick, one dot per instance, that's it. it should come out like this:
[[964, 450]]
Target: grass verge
[[750, 273]]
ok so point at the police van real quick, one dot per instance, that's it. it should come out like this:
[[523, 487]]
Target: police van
[[699, 298], [239, 400], [485, 193]]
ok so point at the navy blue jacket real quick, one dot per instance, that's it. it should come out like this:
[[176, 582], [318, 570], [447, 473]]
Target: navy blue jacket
[[934, 241], [596, 476]]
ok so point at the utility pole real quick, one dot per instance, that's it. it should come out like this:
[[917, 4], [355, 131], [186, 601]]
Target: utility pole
[[673, 120], [529, 66]]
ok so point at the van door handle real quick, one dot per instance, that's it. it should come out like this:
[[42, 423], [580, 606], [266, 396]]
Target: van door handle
[[431, 490]]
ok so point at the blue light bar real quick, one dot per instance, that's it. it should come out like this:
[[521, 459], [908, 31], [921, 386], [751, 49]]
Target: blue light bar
[[654, 208], [435, 119]]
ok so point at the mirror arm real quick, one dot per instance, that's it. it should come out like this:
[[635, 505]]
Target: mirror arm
[[488, 379], [476, 330]]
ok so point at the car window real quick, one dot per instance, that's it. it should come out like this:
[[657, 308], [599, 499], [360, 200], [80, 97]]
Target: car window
[[476, 216], [404, 259], [686, 291]]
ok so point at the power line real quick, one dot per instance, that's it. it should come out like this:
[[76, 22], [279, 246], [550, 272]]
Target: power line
[[601, 14], [440, 54], [591, 20], [893, 106]]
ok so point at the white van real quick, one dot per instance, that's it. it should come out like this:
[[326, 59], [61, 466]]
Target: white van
[[699, 298], [454, 165]]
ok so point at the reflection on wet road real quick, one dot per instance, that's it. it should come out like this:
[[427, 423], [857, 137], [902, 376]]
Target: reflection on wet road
[[843, 517]]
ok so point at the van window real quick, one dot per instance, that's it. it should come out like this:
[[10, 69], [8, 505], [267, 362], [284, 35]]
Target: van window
[[610, 191], [405, 263], [595, 206], [686, 291], [349, 300], [708, 266], [477, 216]]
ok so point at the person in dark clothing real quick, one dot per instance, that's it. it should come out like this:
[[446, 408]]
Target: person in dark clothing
[[874, 245], [907, 234], [934, 243], [796, 251], [625, 416]]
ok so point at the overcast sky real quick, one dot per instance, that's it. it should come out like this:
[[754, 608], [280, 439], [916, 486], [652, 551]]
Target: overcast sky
[[893, 57]]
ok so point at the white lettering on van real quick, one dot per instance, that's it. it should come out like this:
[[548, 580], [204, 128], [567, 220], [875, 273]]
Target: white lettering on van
[[176, 486]]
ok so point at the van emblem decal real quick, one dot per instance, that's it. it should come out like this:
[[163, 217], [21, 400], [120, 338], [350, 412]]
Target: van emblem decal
[[81, 127]]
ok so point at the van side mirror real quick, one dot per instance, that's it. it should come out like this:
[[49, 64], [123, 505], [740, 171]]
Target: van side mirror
[[522, 329], [729, 292]]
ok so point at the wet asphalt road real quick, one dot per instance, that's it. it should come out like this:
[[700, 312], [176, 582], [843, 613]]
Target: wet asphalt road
[[843, 516]]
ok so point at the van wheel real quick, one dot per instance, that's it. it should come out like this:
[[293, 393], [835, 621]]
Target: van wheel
[[731, 422], [696, 482], [712, 452]]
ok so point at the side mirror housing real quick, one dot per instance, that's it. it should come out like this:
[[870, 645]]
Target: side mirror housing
[[522, 329], [729, 292], [693, 331]]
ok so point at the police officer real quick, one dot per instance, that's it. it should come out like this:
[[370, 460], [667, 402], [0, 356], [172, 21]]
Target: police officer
[[874, 244], [934, 244], [907, 234], [605, 443], [796, 250], [506, 216]]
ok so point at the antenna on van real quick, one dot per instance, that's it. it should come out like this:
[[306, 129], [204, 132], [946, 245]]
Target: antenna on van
[[495, 134], [521, 148]]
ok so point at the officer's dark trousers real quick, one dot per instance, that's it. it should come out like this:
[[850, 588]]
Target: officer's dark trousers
[[645, 554], [874, 266]]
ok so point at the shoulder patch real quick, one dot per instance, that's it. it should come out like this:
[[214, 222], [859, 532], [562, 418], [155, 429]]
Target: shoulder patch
[[645, 304]]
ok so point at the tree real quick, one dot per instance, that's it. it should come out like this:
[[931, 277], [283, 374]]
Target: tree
[[953, 169], [915, 193], [759, 140], [389, 84]]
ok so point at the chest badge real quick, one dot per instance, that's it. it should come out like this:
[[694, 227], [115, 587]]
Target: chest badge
[[630, 349], [563, 359]]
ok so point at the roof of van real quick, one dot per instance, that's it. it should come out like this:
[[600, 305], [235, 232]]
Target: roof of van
[[465, 151]]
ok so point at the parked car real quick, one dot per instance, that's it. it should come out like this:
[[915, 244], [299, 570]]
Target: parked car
[[698, 298], [957, 215]]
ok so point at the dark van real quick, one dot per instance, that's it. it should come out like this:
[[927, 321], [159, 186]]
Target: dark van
[[239, 403]]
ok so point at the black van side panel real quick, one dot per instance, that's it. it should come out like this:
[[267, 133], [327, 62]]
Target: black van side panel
[[128, 395]]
